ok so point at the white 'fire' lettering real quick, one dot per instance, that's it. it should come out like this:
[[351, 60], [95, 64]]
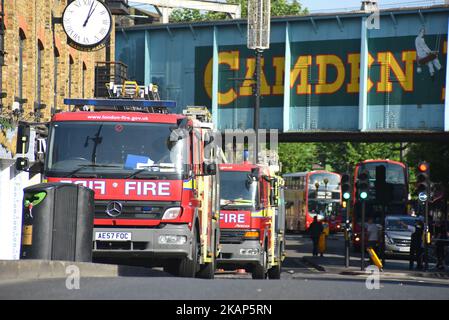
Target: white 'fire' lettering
[[99, 186]]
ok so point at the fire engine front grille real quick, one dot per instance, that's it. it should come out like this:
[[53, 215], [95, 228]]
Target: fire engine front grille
[[231, 236], [132, 210]]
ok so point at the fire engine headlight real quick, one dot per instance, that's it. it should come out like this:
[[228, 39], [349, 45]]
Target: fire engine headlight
[[172, 213], [249, 251], [172, 239]]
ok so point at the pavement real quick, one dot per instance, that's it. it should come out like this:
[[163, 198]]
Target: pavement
[[332, 263], [22, 270]]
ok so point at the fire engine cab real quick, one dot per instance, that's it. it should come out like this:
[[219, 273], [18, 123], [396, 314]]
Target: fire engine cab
[[252, 219], [156, 197]]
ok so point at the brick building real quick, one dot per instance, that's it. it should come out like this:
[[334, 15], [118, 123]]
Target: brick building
[[40, 69]]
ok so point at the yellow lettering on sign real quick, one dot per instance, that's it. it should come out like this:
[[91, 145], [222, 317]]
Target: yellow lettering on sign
[[301, 70], [279, 67], [354, 60], [323, 61], [230, 58], [404, 77], [246, 88]]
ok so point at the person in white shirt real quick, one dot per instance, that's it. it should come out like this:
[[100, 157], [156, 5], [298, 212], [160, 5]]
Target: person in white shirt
[[372, 231], [426, 55]]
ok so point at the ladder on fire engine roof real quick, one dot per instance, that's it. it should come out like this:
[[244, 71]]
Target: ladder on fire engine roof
[[203, 115], [200, 113], [128, 96]]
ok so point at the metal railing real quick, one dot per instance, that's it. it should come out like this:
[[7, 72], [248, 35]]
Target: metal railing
[[107, 72]]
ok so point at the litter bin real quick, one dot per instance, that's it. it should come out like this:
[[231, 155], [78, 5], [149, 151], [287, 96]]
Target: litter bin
[[57, 222]]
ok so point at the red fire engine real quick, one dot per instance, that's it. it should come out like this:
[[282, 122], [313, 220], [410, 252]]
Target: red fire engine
[[156, 199], [252, 219]]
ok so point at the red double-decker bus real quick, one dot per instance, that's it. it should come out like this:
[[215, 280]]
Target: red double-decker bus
[[396, 184], [310, 194]]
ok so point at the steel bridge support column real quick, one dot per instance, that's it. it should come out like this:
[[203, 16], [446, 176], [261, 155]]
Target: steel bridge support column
[[363, 94], [287, 71], [446, 92], [147, 64], [215, 79]]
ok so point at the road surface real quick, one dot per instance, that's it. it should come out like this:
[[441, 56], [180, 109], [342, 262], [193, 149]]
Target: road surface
[[298, 281]]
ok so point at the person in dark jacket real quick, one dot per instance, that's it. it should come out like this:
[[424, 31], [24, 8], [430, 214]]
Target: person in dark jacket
[[416, 246], [315, 230]]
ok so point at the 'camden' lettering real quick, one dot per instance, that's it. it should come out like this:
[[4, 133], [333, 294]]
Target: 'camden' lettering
[[334, 73]]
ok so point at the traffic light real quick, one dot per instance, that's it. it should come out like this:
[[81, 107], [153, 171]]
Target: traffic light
[[363, 185], [423, 178], [346, 186]]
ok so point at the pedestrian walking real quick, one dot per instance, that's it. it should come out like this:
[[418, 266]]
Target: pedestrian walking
[[315, 231], [416, 246], [372, 234]]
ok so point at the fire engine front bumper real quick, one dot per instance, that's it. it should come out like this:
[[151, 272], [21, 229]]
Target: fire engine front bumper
[[249, 252], [167, 242]]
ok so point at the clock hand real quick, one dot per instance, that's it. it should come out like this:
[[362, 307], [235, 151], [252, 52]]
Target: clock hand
[[89, 13]]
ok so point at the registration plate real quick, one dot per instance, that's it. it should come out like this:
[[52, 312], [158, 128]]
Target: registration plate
[[113, 236], [404, 249]]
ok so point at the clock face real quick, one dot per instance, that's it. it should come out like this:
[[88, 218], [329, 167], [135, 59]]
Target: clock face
[[87, 23]]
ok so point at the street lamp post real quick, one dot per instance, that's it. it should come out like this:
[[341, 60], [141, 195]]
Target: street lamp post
[[259, 53], [259, 17]]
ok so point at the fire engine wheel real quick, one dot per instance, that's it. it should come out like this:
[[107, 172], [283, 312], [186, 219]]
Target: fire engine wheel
[[260, 271], [187, 268], [275, 272], [207, 271]]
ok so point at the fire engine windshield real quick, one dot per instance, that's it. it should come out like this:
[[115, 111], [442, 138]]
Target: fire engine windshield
[[115, 149], [237, 190]]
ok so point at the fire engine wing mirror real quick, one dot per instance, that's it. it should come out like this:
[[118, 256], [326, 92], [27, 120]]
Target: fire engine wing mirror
[[182, 123], [208, 139], [254, 173], [23, 138], [250, 179], [210, 169], [22, 164]]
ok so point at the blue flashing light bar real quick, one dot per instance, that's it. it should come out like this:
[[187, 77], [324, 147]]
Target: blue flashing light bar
[[121, 103]]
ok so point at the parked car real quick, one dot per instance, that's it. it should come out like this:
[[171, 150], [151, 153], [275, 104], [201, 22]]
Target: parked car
[[398, 234]]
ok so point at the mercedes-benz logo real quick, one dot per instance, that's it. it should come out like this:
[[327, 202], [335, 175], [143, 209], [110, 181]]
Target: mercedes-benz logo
[[114, 209]]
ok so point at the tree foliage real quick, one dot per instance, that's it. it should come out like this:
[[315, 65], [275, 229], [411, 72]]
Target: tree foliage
[[338, 157], [437, 154], [278, 8], [297, 157]]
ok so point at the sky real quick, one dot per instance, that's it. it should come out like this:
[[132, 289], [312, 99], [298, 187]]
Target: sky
[[333, 5], [343, 5]]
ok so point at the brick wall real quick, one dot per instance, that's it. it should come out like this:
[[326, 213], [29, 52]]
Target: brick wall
[[33, 19]]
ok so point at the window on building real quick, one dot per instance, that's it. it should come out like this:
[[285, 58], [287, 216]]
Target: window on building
[[20, 71], [40, 54], [55, 78], [83, 79], [71, 62]]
